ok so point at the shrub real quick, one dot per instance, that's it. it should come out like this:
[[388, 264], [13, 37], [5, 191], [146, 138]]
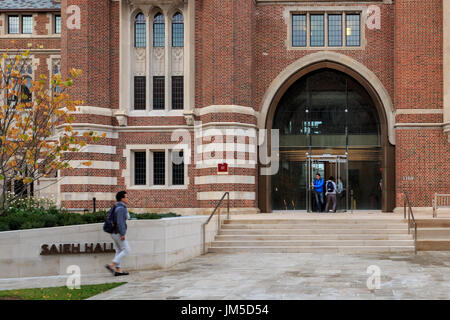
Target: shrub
[[38, 213], [4, 226], [95, 217]]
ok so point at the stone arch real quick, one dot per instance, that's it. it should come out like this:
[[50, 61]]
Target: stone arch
[[348, 64], [368, 80]]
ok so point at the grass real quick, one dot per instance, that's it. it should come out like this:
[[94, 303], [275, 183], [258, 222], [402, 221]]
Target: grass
[[58, 293]]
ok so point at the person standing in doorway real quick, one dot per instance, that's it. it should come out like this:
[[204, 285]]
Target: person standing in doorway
[[318, 188], [121, 215], [330, 193]]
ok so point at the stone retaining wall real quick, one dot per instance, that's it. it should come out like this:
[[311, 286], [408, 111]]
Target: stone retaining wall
[[154, 244]]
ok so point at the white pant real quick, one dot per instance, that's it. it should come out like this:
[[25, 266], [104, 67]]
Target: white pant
[[122, 248]]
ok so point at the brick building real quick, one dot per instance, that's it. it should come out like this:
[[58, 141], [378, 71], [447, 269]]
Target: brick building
[[357, 89]]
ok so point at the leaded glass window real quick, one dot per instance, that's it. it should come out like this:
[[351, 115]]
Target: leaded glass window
[[299, 30], [13, 25], [317, 30], [335, 30], [139, 92], [177, 168], [177, 93], [159, 167], [352, 30], [140, 174], [158, 93], [27, 24], [140, 31], [158, 31], [177, 30], [57, 24]]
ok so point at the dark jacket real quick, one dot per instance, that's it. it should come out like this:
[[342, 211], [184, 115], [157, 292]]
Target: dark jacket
[[121, 216]]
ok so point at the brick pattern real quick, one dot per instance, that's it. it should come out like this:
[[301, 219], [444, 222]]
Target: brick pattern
[[422, 154], [240, 48]]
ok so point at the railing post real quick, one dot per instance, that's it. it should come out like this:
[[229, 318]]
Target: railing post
[[204, 238], [435, 205], [409, 220], [228, 206], [415, 238], [404, 207]]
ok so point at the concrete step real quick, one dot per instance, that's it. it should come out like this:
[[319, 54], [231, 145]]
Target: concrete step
[[314, 226], [319, 243], [286, 237], [433, 233], [317, 221], [292, 231], [433, 223], [315, 249], [433, 245]]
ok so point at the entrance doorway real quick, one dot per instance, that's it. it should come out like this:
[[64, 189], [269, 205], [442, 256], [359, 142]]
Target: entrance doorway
[[329, 123], [327, 165]]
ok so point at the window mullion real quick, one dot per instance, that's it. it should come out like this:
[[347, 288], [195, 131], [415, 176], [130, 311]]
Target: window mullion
[[308, 30], [148, 59], [150, 64], [344, 30], [166, 169], [325, 31], [148, 175], [167, 67]]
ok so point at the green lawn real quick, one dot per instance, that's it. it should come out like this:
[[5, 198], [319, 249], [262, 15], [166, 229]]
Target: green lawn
[[58, 293]]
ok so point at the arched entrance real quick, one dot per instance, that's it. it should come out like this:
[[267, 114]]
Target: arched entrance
[[329, 109]]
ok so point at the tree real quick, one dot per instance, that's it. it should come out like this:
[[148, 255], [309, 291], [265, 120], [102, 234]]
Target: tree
[[30, 146]]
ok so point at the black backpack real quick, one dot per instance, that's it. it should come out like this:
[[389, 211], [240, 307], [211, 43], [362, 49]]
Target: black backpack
[[330, 186], [109, 226]]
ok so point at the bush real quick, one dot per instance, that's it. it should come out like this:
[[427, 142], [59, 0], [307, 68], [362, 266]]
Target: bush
[[95, 217], [31, 213], [4, 226]]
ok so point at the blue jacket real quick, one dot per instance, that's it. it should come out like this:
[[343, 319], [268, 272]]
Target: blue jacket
[[121, 216], [318, 185]]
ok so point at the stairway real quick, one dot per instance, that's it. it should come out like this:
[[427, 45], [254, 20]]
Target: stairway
[[433, 234], [313, 235]]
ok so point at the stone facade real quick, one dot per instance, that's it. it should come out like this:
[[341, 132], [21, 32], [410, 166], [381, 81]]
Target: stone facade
[[236, 56]]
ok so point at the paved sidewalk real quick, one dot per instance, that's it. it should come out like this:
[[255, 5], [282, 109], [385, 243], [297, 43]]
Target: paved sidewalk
[[278, 276]]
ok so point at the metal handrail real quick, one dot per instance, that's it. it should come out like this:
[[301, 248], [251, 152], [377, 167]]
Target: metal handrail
[[227, 194], [410, 215]]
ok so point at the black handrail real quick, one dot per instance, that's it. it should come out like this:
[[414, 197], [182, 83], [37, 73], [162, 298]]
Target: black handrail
[[226, 194], [410, 215]]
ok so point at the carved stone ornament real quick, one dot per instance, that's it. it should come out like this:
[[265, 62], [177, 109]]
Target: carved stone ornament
[[122, 117], [189, 117]]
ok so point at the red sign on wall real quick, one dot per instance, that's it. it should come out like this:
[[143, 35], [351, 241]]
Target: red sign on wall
[[222, 168]]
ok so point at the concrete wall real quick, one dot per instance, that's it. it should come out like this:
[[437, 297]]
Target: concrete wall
[[154, 244]]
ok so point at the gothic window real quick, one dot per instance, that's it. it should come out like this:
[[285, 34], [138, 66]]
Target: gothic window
[[177, 30], [158, 30], [140, 31]]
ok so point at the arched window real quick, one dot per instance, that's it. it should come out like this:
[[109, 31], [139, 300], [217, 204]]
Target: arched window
[[56, 70], [158, 31], [177, 30], [26, 90], [139, 31]]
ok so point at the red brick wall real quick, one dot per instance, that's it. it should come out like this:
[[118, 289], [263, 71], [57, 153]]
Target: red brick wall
[[422, 154], [224, 52], [88, 49], [240, 48], [272, 56]]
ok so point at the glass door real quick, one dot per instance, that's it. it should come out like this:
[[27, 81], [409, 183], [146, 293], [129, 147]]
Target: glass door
[[327, 166]]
